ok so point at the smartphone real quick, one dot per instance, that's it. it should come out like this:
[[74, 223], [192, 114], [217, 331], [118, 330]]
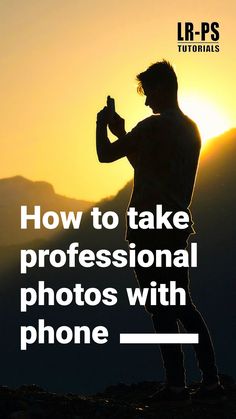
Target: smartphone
[[111, 106]]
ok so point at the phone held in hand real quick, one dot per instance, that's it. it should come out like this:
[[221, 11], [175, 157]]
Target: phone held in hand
[[111, 106]]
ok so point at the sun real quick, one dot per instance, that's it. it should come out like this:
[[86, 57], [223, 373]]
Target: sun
[[211, 120]]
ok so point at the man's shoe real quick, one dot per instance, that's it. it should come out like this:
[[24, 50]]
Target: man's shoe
[[213, 396], [169, 397]]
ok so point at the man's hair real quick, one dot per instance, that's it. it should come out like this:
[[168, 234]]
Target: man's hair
[[159, 73]]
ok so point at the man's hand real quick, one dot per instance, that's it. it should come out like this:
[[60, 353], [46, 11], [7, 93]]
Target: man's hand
[[116, 125], [102, 116]]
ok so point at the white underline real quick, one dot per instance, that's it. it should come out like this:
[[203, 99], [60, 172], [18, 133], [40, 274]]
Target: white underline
[[159, 338]]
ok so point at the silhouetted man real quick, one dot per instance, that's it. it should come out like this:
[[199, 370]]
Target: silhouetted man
[[164, 151]]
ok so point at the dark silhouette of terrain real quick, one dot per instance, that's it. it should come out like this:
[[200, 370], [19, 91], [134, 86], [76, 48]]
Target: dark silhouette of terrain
[[116, 402], [17, 191], [89, 368]]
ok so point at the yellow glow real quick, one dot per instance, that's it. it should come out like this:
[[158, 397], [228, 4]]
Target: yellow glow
[[211, 120], [60, 60]]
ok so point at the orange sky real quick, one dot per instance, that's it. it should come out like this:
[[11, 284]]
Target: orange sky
[[59, 60]]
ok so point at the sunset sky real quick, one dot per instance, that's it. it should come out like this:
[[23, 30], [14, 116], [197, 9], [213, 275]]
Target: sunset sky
[[59, 60]]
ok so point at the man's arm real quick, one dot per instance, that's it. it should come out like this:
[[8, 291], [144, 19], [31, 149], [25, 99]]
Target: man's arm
[[116, 125], [102, 141], [108, 152]]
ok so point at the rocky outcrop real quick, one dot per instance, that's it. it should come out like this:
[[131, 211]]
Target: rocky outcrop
[[116, 402]]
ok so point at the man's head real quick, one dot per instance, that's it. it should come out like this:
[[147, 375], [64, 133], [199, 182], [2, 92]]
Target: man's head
[[159, 84]]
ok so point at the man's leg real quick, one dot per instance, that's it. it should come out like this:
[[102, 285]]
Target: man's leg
[[165, 321], [193, 322]]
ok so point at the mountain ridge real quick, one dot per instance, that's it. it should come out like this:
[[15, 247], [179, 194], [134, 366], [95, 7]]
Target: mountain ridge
[[18, 190]]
